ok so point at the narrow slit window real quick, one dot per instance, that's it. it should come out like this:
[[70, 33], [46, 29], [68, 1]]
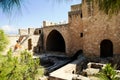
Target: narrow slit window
[[81, 34]]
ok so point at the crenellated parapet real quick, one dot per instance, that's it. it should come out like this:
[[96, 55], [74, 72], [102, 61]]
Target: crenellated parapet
[[30, 31]]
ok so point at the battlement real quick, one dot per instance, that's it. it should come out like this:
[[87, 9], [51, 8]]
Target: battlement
[[76, 7], [23, 31], [45, 23], [30, 31], [75, 12]]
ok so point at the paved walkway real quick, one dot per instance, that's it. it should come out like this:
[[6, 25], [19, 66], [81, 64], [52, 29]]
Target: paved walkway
[[66, 72]]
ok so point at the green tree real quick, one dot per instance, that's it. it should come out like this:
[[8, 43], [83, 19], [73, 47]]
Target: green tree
[[19, 68], [9, 5], [3, 41], [23, 67]]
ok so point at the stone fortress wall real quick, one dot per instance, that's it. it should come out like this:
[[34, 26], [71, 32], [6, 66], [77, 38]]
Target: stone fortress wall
[[88, 30]]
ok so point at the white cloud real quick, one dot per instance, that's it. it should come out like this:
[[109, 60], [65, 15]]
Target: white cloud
[[9, 29]]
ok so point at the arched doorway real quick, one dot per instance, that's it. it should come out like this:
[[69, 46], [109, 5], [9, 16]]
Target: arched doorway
[[106, 48], [29, 44], [55, 42]]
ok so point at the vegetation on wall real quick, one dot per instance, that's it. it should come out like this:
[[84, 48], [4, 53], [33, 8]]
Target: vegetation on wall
[[109, 7]]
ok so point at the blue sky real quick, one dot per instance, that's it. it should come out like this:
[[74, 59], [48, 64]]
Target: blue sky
[[33, 13]]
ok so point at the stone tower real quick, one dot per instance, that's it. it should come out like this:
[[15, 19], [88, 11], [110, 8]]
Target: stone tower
[[75, 27]]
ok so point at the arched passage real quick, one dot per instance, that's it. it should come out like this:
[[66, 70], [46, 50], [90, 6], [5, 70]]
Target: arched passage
[[55, 42], [106, 48]]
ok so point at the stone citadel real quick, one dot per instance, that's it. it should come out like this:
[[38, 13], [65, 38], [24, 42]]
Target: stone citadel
[[88, 30]]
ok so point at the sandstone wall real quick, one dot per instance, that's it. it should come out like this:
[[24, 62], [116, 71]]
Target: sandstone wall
[[99, 28], [76, 31], [64, 31], [34, 43], [31, 31], [23, 31]]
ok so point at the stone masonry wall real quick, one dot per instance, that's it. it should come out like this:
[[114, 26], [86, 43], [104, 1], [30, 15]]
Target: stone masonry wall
[[64, 31], [23, 31], [34, 42], [99, 28], [76, 30]]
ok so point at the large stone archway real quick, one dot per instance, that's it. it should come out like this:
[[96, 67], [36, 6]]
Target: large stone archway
[[106, 48], [55, 42]]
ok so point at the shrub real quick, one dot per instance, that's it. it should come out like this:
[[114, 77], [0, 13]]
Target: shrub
[[23, 67], [19, 68], [108, 73], [3, 40]]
